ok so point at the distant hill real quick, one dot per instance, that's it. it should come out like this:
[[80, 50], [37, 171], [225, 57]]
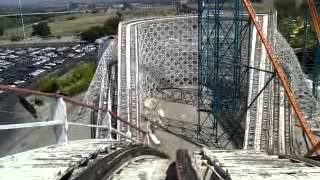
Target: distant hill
[[50, 2], [31, 2]]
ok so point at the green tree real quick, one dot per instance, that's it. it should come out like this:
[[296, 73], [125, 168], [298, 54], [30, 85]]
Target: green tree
[[41, 29], [92, 34], [7, 22], [1, 31], [15, 38], [110, 28], [287, 8], [119, 15], [73, 82], [49, 84], [111, 25]]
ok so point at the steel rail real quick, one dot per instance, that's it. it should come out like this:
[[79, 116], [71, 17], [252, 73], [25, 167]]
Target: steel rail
[[105, 167], [23, 91], [307, 161], [102, 127], [184, 168], [30, 125], [282, 76]]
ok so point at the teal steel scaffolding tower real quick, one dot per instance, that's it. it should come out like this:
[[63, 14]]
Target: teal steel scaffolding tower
[[224, 46]]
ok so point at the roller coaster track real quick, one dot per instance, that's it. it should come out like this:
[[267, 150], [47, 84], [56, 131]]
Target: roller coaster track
[[273, 135], [115, 160], [265, 133], [268, 117], [283, 79], [257, 137], [253, 165], [127, 92], [79, 160]]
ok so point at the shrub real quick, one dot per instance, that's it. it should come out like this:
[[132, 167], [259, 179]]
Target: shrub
[[49, 84], [110, 28], [287, 8], [75, 81], [15, 38], [41, 29], [71, 18], [95, 11], [1, 31], [111, 25], [92, 34]]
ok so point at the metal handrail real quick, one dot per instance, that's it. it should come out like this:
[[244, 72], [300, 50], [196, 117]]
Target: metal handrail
[[23, 91]]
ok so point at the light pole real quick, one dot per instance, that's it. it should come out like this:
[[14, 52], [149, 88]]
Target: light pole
[[21, 16]]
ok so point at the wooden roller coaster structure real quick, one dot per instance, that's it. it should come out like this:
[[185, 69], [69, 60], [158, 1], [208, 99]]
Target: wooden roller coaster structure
[[314, 141]]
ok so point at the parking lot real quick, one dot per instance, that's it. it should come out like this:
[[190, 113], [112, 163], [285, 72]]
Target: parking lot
[[19, 66]]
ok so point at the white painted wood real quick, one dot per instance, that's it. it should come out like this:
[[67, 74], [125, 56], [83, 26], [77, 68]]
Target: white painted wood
[[154, 139], [142, 168], [60, 114], [282, 142], [49, 163], [256, 165], [30, 125], [252, 59], [262, 76]]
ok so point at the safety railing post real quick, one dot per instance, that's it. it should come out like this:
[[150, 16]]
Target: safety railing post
[[60, 115]]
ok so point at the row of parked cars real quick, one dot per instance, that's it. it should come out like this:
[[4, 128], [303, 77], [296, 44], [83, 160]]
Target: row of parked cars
[[19, 65]]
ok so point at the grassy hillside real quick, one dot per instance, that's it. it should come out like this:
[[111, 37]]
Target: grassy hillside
[[66, 25], [73, 24], [75, 81]]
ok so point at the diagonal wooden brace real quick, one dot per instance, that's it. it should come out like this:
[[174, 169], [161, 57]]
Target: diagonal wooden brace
[[313, 150], [283, 79]]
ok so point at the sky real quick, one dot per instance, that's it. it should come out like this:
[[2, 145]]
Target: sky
[[12, 2], [34, 1], [46, 1], [30, 2]]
